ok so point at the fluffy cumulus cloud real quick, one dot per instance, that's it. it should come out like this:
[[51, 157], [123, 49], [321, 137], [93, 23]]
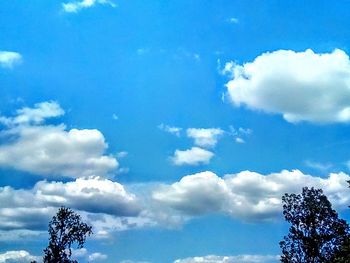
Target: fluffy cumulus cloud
[[31, 209], [231, 259], [248, 196], [8, 59], [193, 156], [318, 83], [18, 256], [205, 137], [34, 147], [76, 6]]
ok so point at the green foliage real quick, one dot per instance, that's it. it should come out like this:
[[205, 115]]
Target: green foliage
[[316, 234], [65, 229]]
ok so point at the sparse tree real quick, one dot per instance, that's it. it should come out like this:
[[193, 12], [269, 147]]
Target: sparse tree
[[316, 234], [65, 229]]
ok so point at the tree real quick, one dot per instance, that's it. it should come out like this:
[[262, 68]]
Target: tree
[[65, 229], [316, 234]]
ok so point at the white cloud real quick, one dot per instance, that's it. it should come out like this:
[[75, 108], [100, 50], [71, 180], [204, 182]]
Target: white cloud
[[318, 166], [21, 234], [18, 256], [239, 140], [228, 69], [195, 194], [233, 20], [97, 256], [122, 154], [95, 195], [231, 259], [32, 209], [170, 129], [83, 254], [302, 86], [205, 137], [193, 156], [239, 134], [36, 115], [76, 6], [9, 59], [52, 150], [115, 117], [247, 196]]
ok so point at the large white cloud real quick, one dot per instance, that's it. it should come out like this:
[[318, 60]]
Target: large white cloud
[[247, 196], [31, 146], [193, 156], [18, 256], [8, 59], [302, 86], [76, 6], [32, 209], [205, 137], [231, 259]]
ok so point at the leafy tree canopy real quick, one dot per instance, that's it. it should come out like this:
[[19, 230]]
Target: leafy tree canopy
[[316, 234], [65, 229]]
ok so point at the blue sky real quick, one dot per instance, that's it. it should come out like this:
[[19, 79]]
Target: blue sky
[[172, 127]]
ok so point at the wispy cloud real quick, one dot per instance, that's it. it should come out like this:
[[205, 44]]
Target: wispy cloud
[[231, 259], [170, 129], [76, 6], [233, 20], [318, 166]]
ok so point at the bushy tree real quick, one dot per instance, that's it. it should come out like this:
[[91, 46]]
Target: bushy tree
[[65, 229], [316, 234]]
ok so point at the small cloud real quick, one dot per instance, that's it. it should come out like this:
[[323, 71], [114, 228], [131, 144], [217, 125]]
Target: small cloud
[[170, 129], [83, 253], [193, 156], [244, 131], [196, 56], [233, 20], [227, 70], [115, 117], [9, 59], [121, 154], [76, 6], [240, 133], [123, 170], [97, 257], [205, 137], [142, 51], [239, 140]]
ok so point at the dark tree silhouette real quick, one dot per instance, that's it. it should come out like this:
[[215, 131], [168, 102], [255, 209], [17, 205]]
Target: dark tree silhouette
[[344, 254], [316, 234], [65, 229]]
